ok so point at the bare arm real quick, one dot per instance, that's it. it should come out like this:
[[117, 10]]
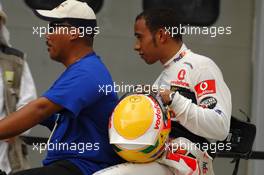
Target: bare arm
[[27, 117]]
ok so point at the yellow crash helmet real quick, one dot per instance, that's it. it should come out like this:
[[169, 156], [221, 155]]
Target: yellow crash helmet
[[139, 128]]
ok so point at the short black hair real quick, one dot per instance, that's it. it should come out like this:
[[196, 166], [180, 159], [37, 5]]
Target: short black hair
[[157, 18]]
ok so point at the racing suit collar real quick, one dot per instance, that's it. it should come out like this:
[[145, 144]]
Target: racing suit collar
[[182, 49]]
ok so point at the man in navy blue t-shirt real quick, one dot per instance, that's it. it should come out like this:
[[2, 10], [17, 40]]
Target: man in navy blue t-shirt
[[75, 108]]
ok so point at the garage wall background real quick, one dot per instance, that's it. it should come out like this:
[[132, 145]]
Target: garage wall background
[[114, 44]]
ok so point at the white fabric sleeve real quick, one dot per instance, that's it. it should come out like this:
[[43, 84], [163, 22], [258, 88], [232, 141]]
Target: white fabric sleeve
[[27, 90], [211, 122]]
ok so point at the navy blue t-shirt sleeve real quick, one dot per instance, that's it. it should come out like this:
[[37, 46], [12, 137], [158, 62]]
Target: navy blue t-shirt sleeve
[[74, 90]]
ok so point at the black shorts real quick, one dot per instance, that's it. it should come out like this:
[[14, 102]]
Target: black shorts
[[63, 167]]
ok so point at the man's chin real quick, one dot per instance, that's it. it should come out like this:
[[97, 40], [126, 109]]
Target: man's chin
[[149, 61], [146, 60], [53, 57]]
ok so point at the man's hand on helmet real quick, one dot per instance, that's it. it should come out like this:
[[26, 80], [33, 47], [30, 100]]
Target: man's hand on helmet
[[166, 96]]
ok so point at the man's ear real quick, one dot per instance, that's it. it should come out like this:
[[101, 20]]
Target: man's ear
[[162, 36], [74, 34]]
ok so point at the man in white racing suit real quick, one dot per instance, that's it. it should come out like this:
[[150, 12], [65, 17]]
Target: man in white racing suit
[[193, 87]]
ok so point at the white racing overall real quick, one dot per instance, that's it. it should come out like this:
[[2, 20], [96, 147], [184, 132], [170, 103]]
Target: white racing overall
[[209, 117]]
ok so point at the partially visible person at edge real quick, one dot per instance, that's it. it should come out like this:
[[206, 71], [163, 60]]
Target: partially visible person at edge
[[16, 90], [72, 108], [194, 89]]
